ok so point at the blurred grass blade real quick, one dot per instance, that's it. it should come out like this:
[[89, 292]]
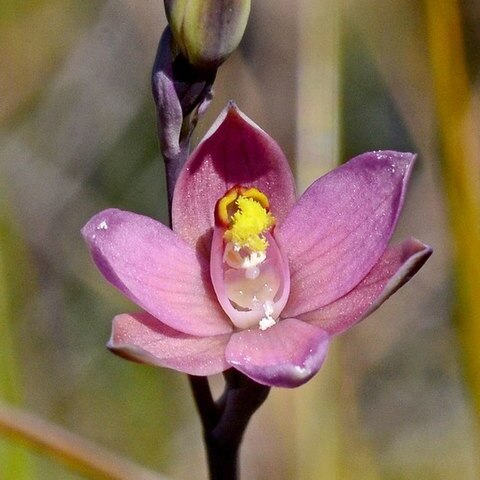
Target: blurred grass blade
[[318, 97], [14, 463], [461, 172], [324, 440], [68, 448], [318, 436]]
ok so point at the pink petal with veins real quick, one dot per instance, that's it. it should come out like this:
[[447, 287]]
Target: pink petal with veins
[[143, 338], [396, 266], [340, 227], [157, 270]]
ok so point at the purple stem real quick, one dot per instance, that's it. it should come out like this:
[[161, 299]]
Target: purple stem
[[224, 422], [181, 93]]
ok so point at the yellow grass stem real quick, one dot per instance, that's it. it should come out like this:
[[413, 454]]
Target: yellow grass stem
[[461, 172], [324, 437], [318, 435], [14, 464], [68, 448]]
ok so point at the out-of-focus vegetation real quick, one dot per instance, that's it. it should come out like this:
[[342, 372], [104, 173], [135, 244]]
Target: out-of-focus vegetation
[[327, 80]]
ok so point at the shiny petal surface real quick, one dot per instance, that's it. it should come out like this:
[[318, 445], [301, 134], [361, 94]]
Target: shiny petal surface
[[279, 268], [234, 151], [396, 266], [143, 338], [341, 226], [157, 270], [285, 355]]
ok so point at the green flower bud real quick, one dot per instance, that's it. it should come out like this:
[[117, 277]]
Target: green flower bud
[[207, 31]]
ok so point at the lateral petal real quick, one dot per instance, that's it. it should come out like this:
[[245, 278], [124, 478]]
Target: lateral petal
[[143, 338], [396, 267], [340, 227], [157, 270]]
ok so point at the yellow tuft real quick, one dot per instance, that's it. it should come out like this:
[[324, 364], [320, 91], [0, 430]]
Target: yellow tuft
[[248, 225]]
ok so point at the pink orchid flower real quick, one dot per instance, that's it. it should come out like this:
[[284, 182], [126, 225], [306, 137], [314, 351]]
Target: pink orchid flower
[[249, 277]]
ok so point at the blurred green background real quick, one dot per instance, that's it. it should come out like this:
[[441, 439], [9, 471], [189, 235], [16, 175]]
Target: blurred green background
[[399, 396]]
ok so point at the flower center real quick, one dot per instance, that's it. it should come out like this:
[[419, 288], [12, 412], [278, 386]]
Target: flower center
[[245, 214], [247, 267]]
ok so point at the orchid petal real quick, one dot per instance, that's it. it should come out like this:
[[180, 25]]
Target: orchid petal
[[285, 355], [143, 338], [396, 266], [234, 151], [157, 270], [341, 226]]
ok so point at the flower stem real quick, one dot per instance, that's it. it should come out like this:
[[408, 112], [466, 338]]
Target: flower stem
[[224, 421], [181, 94], [222, 460]]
